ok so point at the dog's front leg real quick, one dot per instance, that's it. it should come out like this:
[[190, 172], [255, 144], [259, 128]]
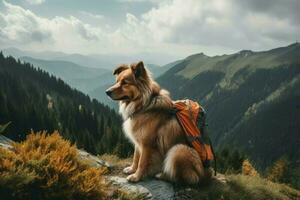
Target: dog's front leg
[[136, 157], [142, 166]]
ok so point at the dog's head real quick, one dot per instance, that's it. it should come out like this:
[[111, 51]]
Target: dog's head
[[131, 82]]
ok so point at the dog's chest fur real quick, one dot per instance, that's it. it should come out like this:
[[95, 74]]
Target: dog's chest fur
[[128, 130], [140, 128], [128, 123]]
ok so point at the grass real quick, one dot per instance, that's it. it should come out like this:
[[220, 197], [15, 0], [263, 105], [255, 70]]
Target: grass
[[200, 64], [245, 187], [117, 164], [237, 186]]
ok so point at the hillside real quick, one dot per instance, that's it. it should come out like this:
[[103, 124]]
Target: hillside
[[80, 77], [92, 81], [252, 99], [31, 99], [91, 74]]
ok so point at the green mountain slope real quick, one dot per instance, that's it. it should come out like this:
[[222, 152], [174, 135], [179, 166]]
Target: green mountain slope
[[251, 98], [33, 100], [79, 77]]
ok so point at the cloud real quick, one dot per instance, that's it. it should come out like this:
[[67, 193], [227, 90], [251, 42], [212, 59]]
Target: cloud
[[140, 1], [288, 9], [22, 26], [225, 23], [175, 27], [35, 2], [90, 15]]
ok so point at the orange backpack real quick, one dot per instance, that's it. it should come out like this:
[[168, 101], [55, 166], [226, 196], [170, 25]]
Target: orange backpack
[[192, 119]]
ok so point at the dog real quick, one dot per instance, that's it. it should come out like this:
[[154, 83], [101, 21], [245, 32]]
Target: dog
[[160, 147]]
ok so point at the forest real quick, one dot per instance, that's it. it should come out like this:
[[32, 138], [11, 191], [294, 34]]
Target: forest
[[33, 100]]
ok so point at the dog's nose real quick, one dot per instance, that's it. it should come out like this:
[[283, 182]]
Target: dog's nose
[[108, 92]]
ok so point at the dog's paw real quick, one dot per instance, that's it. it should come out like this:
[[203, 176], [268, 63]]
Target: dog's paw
[[128, 170], [133, 178]]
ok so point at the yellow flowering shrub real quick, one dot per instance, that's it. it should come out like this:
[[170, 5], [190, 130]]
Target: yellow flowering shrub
[[278, 171], [248, 169], [47, 167]]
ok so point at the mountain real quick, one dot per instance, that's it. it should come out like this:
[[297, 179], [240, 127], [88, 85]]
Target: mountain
[[159, 70], [106, 61], [92, 81], [90, 74], [95, 61], [46, 55], [77, 76], [252, 99], [101, 61], [31, 99]]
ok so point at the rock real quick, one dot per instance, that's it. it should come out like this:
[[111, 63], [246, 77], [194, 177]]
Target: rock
[[5, 142], [130, 187], [149, 189], [159, 189], [93, 160], [5, 146]]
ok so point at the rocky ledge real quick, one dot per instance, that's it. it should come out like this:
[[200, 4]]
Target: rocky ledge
[[220, 187]]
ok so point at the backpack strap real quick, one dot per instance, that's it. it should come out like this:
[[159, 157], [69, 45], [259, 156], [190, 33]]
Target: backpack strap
[[190, 110], [193, 138]]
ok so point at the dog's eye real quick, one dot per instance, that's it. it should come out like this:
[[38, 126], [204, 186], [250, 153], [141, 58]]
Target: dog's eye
[[124, 82]]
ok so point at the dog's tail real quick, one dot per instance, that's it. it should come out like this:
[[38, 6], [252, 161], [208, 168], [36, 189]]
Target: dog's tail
[[183, 164]]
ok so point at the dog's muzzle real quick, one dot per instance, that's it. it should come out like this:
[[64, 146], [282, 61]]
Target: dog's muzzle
[[108, 92]]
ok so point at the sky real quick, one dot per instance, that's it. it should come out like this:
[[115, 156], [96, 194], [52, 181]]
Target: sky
[[167, 29]]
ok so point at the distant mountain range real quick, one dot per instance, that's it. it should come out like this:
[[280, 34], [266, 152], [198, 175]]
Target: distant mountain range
[[82, 78], [252, 99], [106, 61], [90, 74]]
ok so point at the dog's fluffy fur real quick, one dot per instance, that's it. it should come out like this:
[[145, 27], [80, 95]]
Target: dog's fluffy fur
[[159, 141]]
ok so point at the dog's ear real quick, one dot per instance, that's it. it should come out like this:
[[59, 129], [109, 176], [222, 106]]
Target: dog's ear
[[139, 69], [119, 69]]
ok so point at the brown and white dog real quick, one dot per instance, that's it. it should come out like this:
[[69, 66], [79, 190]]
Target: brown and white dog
[[159, 141]]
